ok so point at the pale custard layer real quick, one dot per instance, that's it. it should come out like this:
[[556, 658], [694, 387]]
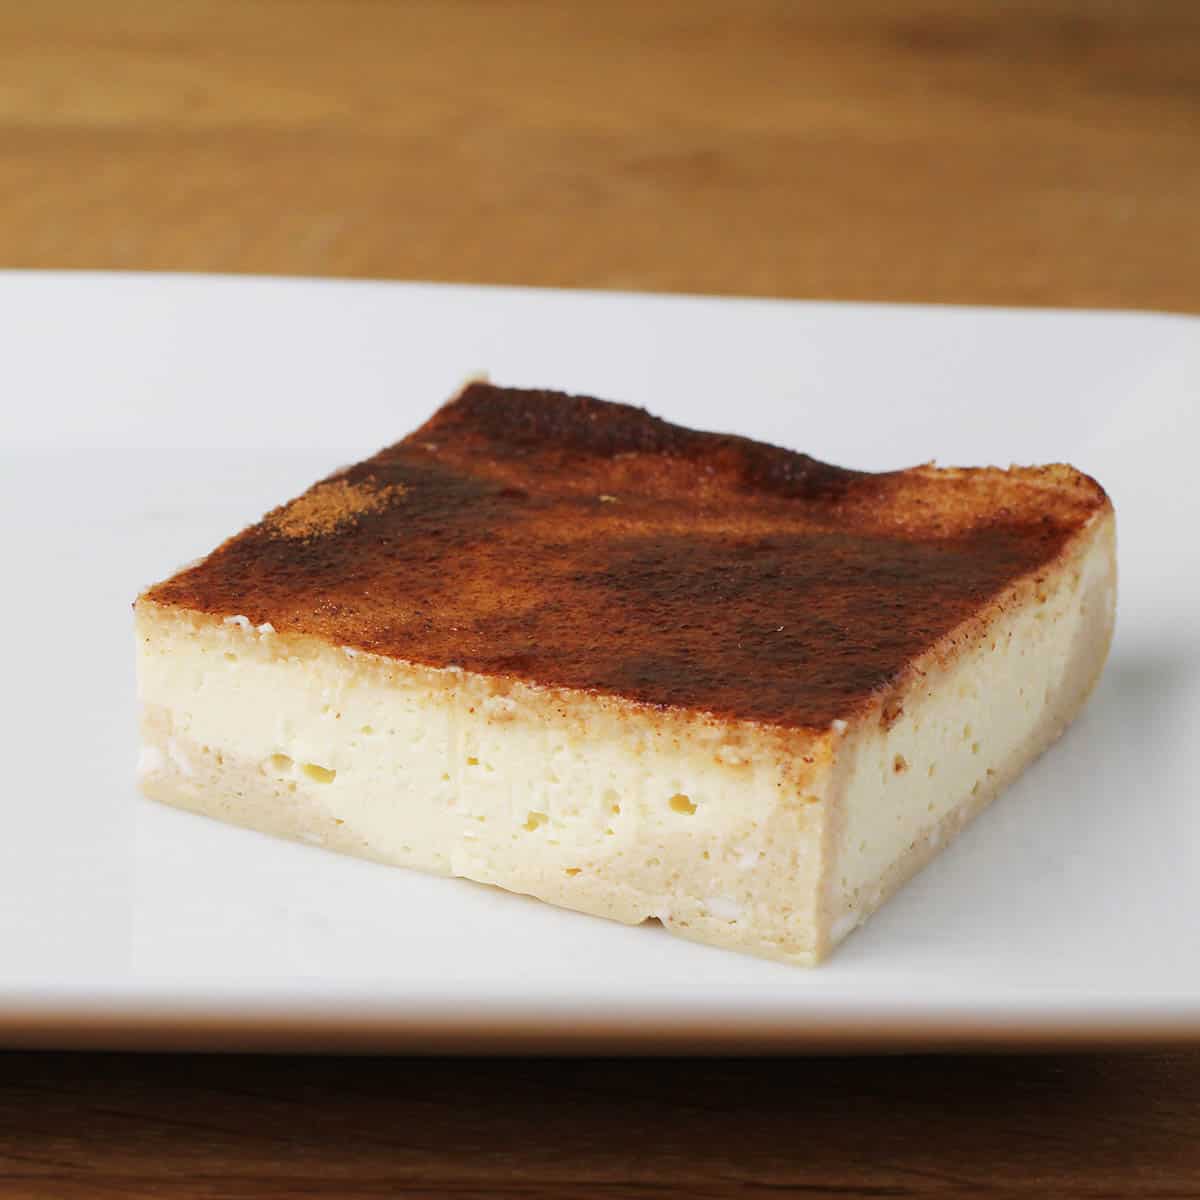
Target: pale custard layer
[[771, 841]]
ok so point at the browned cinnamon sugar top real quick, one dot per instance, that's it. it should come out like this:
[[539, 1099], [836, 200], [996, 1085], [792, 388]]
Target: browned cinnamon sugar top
[[326, 506], [573, 542]]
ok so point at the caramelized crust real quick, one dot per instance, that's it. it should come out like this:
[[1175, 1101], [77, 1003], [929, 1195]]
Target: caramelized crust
[[572, 542]]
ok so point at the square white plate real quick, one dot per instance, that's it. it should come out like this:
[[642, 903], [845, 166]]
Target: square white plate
[[144, 418]]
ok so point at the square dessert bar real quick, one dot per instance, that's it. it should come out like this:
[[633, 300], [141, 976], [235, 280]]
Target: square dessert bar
[[561, 646]]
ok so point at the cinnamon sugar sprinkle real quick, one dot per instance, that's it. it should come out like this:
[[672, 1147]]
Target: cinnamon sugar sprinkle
[[330, 505]]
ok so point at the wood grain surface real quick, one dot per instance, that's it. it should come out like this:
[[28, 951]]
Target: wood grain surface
[[1014, 153], [1036, 152], [174, 1126]]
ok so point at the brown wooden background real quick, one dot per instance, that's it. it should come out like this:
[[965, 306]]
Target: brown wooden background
[[1015, 153], [1042, 152]]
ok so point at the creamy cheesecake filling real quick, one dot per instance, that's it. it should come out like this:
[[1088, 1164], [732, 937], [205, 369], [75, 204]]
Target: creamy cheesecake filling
[[964, 731], [772, 842], [575, 800]]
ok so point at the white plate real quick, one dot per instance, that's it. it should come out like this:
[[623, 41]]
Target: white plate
[[146, 417]]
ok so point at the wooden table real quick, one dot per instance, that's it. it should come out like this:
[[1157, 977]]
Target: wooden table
[[1017, 153], [124, 1127], [1043, 152]]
